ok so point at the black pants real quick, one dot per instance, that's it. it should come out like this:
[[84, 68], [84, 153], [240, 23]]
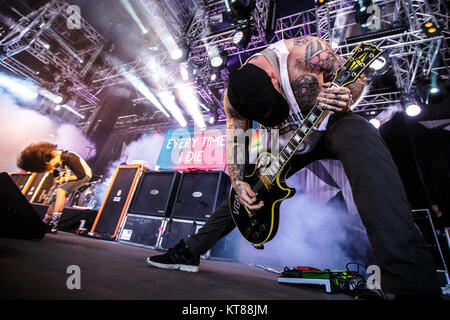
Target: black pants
[[405, 262]]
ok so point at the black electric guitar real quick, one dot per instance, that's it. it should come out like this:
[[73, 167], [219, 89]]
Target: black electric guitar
[[268, 176]]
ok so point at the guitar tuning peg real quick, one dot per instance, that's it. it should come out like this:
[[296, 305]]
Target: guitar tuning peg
[[363, 78]]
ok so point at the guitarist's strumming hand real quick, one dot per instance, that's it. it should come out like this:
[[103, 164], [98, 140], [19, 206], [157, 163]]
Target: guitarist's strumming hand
[[247, 196]]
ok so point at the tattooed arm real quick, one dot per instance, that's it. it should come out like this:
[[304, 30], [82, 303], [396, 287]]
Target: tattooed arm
[[357, 87], [312, 67], [237, 155]]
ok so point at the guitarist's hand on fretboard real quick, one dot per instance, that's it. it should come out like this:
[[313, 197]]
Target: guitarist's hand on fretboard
[[247, 196], [336, 99]]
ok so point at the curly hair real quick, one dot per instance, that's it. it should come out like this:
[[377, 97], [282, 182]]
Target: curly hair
[[36, 157]]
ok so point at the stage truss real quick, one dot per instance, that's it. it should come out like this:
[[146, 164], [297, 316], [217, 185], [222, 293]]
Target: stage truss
[[413, 54], [34, 34]]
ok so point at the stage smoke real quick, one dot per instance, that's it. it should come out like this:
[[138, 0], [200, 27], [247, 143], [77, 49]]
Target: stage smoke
[[21, 126], [311, 234], [146, 148]]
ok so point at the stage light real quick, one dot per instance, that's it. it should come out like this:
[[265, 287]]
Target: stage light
[[178, 53], [204, 107], [169, 102], [378, 63], [413, 109], [213, 117], [227, 5], [213, 77], [219, 61], [70, 109], [320, 3], [434, 90], [431, 29], [191, 103], [381, 65], [128, 6], [21, 89], [140, 86], [184, 71], [242, 37], [375, 122], [51, 96]]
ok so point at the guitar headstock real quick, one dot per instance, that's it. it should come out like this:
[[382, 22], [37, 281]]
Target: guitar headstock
[[362, 56]]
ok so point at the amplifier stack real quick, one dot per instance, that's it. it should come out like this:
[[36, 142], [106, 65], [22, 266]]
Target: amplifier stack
[[163, 207]]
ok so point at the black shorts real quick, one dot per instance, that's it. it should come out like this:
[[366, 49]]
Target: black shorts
[[71, 186]]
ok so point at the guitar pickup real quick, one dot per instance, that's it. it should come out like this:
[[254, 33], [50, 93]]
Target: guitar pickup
[[266, 181]]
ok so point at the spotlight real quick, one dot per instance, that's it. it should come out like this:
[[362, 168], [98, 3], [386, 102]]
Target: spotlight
[[381, 65], [176, 54], [214, 76], [378, 63], [431, 29], [213, 117], [320, 3], [434, 90], [179, 54], [242, 37], [219, 61], [431, 90], [412, 109], [242, 9], [375, 122]]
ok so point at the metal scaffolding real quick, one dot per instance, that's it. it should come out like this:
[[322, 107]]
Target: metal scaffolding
[[44, 35], [413, 54]]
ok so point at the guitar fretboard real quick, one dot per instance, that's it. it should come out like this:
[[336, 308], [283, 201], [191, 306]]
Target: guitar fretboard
[[294, 142]]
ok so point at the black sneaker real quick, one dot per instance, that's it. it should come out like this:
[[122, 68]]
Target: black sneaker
[[176, 258]]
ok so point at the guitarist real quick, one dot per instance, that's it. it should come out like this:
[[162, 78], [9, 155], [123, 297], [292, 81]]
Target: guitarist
[[75, 173], [276, 88]]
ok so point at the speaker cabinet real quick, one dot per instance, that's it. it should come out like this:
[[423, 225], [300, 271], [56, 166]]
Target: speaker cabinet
[[173, 230], [23, 180], [155, 194], [424, 222], [227, 248], [141, 230], [44, 190], [199, 193], [116, 201], [17, 217], [177, 229], [36, 185]]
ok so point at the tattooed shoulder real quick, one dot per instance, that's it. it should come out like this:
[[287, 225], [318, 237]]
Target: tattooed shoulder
[[306, 87]]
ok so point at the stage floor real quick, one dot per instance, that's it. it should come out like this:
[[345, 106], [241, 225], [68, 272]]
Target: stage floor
[[112, 270]]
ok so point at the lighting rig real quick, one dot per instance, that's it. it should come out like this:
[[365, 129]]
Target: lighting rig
[[413, 49]]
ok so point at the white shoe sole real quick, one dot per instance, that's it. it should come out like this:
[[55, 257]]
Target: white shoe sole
[[181, 267]]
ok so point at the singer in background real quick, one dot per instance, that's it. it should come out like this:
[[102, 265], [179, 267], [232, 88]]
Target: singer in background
[[70, 170]]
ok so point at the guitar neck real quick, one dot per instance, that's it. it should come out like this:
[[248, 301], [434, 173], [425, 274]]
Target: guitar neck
[[296, 140]]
